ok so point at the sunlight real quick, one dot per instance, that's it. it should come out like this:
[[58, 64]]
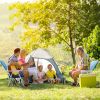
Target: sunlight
[[12, 1]]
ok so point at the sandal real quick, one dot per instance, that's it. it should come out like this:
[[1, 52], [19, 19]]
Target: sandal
[[26, 85], [74, 84]]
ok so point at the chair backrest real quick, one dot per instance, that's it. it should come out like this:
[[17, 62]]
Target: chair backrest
[[4, 65], [93, 65]]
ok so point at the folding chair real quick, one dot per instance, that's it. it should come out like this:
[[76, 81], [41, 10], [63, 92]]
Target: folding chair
[[13, 80]]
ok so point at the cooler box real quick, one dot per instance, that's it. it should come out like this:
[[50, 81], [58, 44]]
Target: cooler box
[[87, 80]]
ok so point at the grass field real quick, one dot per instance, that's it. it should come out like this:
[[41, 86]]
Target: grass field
[[48, 91]]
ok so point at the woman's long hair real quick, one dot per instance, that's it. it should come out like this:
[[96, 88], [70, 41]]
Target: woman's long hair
[[32, 59]]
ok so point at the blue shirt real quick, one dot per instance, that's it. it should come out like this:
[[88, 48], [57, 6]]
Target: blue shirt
[[13, 58]]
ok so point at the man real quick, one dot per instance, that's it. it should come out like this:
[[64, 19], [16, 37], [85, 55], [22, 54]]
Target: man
[[13, 60], [13, 64]]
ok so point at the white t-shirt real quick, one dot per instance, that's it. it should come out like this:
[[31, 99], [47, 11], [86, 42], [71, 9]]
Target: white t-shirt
[[32, 70]]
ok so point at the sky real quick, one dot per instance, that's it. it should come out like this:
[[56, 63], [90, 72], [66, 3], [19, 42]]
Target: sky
[[12, 1]]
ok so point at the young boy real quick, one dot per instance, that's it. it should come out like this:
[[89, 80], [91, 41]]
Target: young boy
[[51, 75]]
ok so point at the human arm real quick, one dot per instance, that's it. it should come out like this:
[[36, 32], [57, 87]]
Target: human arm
[[85, 63]]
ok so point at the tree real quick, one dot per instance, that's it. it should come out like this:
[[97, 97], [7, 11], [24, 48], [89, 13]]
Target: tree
[[89, 17], [55, 23], [51, 22], [92, 43]]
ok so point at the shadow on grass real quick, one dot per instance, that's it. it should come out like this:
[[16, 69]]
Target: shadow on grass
[[47, 86], [4, 86], [98, 84], [50, 86]]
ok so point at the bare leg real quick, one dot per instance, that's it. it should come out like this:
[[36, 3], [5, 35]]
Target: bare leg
[[75, 76], [26, 76], [57, 80], [70, 73]]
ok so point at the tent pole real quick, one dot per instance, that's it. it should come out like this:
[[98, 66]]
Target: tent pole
[[37, 62]]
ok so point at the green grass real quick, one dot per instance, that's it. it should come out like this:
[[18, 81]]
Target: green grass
[[48, 91]]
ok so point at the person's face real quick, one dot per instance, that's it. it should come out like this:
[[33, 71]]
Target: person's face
[[31, 62], [50, 67], [79, 52], [23, 53], [17, 54], [40, 68]]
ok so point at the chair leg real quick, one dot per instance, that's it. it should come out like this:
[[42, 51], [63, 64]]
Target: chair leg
[[22, 82], [10, 83], [15, 82]]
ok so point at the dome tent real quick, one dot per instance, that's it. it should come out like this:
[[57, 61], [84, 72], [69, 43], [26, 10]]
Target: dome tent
[[42, 55]]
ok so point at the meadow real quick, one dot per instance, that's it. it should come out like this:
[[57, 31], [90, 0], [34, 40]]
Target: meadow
[[49, 91]]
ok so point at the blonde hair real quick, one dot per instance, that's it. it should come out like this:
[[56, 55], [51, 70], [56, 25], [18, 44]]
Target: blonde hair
[[80, 48], [22, 52], [40, 66]]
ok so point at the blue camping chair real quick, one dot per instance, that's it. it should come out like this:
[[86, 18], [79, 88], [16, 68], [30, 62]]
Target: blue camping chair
[[13, 80], [3, 65], [93, 64]]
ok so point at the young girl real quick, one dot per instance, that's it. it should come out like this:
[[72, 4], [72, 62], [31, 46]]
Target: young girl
[[41, 74]]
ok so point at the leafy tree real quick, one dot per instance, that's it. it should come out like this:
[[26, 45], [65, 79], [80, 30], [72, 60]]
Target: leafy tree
[[51, 22], [55, 21], [89, 17], [92, 43]]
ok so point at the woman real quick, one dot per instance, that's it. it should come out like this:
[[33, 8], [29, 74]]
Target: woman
[[82, 65], [32, 69], [24, 65]]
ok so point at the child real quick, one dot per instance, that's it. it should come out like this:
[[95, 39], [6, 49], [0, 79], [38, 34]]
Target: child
[[41, 74], [33, 70], [51, 75]]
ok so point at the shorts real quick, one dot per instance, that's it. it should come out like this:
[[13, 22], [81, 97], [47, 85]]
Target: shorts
[[85, 71], [33, 71], [18, 75], [35, 76]]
